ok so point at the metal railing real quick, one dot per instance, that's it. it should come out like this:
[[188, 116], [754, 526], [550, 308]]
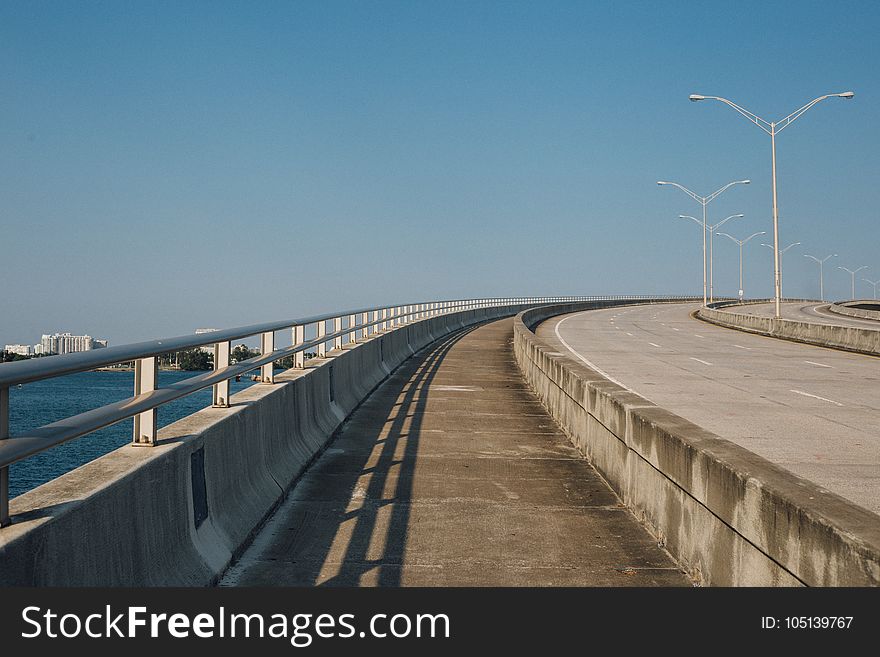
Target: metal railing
[[360, 324]]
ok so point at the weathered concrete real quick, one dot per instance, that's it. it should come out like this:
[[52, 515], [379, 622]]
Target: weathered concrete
[[852, 309], [729, 516], [452, 473], [129, 517], [863, 340], [811, 410]]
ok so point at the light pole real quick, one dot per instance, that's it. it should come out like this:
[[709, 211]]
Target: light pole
[[704, 201], [711, 230], [874, 284], [773, 129], [777, 258], [821, 273], [852, 273], [741, 243]]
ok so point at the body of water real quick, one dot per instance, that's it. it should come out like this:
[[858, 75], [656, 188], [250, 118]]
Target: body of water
[[36, 404]]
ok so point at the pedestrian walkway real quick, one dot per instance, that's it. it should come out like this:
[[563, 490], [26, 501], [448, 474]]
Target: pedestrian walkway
[[452, 474]]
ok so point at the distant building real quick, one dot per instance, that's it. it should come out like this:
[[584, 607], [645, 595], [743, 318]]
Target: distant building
[[208, 349], [20, 349], [66, 343]]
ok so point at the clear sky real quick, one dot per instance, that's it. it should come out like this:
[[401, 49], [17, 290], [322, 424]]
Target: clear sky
[[166, 166]]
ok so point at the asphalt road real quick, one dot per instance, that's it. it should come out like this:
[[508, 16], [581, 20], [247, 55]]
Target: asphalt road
[[812, 410], [816, 313]]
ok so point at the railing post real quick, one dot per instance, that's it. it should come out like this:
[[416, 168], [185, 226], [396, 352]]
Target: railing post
[[146, 379], [320, 332], [299, 336], [4, 472], [337, 328], [221, 360], [267, 346], [365, 331], [352, 334]]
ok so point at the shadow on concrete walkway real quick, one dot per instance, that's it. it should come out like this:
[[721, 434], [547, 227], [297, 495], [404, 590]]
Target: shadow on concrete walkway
[[452, 473]]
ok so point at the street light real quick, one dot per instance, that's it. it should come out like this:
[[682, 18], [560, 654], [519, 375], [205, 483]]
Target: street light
[[704, 201], [772, 129], [875, 284], [821, 274], [852, 273], [711, 230], [777, 258], [741, 243]]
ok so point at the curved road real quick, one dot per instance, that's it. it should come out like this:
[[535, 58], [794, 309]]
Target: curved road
[[815, 312], [815, 411]]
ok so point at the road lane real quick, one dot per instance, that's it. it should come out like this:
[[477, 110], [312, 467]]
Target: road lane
[[801, 311], [813, 410]]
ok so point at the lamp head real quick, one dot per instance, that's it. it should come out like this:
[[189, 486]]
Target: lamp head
[[744, 182], [695, 97], [846, 94], [662, 182]]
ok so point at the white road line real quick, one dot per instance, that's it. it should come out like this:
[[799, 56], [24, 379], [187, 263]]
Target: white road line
[[739, 346], [701, 361], [588, 363], [697, 336], [617, 327], [629, 334], [675, 329], [818, 364], [806, 394], [654, 344]]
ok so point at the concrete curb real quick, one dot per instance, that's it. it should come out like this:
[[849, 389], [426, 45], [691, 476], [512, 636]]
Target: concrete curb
[[730, 517], [845, 338], [844, 309], [177, 514]]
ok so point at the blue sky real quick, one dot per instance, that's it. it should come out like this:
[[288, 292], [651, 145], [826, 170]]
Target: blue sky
[[173, 165]]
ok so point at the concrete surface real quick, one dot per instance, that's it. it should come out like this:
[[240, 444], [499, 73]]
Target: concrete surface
[[832, 331], [803, 311], [748, 389], [128, 519], [862, 309], [452, 473], [729, 516]]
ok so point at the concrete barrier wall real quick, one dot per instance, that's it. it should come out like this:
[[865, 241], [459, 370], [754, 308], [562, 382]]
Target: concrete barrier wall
[[847, 338], [845, 309], [728, 516], [177, 513]]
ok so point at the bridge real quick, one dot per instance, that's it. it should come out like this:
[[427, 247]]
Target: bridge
[[629, 441]]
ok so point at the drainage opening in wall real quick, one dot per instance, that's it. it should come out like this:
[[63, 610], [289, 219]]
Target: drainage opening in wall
[[382, 350], [331, 385], [199, 491]]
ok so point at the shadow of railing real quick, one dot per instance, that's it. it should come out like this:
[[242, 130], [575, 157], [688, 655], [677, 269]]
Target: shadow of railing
[[403, 397]]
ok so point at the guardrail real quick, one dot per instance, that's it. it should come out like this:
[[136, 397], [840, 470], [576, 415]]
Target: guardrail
[[845, 338], [346, 327], [845, 308], [728, 516]]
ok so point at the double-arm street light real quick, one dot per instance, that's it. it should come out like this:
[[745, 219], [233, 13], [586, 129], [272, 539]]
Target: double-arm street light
[[704, 201], [874, 284], [772, 129], [821, 273], [711, 230], [741, 243], [852, 273]]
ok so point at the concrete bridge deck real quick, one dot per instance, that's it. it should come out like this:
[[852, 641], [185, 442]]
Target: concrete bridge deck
[[452, 473]]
